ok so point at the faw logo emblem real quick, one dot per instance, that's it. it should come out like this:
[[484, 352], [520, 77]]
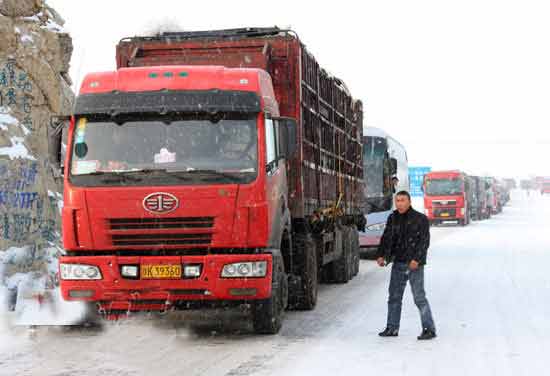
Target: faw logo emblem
[[160, 203]]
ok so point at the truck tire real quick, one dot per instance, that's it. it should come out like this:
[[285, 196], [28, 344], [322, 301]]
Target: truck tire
[[267, 315], [368, 253], [303, 296], [356, 262], [341, 268], [91, 317]]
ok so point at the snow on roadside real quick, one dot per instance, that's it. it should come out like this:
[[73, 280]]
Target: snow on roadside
[[31, 298]]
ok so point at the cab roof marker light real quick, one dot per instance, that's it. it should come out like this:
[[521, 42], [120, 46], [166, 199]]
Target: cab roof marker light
[[94, 84], [153, 75], [183, 74], [168, 74]]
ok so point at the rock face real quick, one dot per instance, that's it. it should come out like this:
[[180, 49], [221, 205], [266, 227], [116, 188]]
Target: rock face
[[35, 53], [20, 8]]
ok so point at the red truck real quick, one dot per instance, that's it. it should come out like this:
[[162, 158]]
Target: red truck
[[446, 197], [545, 186], [212, 168]]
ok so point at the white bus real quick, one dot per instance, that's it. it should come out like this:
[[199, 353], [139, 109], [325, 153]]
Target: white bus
[[384, 158]]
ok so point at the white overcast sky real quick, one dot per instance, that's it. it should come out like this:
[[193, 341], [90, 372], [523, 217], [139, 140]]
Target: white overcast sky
[[462, 84]]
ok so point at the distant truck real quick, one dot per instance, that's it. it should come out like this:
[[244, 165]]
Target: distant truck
[[510, 183], [526, 184], [384, 158], [446, 196], [212, 168], [494, 195], [545, 186], [478, 207]]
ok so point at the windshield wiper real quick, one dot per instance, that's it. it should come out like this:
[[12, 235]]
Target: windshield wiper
[[157, 171], [112, 176], [119, 176], [212, 172]]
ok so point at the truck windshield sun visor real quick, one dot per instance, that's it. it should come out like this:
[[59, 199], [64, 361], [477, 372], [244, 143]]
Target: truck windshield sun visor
[[168, 101]]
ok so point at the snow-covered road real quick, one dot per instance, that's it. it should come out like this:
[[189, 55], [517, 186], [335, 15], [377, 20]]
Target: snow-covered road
[[488, 284]]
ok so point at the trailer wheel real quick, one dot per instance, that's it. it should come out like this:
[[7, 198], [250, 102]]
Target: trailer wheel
[[267, 315], [304, 295], [341, 268]]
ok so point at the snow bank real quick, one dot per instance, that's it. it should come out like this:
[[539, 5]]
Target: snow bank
[[30, 296]]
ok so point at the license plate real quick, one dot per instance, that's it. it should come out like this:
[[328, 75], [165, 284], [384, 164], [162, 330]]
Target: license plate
[[444, 214], [160, 271]]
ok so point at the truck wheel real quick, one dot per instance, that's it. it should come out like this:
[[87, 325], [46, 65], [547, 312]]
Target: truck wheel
[[267, 315], [369, 253], [341, 268], [91, 317], [355, 251], [304, 295]]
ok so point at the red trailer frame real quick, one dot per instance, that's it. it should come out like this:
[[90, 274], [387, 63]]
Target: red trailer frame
[[329, 159]]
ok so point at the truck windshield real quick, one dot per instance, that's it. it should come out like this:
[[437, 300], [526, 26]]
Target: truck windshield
[[442, 187], [374, 151], [164, 150]]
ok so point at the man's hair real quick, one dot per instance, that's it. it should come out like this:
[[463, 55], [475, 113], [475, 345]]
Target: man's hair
[[404, 193]]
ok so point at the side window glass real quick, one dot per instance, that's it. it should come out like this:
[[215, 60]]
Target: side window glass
[[271, 140]]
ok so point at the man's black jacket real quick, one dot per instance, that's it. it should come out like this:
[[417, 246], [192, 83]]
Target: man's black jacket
[[408, 233]]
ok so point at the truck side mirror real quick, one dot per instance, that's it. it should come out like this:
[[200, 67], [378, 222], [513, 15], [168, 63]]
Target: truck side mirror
[[55, 144], [393, 166], [287, 136]]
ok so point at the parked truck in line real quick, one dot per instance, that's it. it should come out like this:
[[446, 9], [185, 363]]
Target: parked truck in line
[[543, 185], [213, 168], [446, 196], [494, 194]]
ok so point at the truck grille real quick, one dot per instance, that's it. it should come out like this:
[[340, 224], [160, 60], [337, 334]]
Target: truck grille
[[160, 223], [444, 202], [124, 231], [161, 239]]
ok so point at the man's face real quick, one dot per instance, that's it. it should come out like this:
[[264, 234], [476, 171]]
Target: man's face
[[402, 203]]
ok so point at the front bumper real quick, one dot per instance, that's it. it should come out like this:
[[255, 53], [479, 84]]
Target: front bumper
[[369, 241], [442, 213], [116, 292]]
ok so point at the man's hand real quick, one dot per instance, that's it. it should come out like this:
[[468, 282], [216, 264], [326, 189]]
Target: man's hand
[[413, 265], [381, 262]]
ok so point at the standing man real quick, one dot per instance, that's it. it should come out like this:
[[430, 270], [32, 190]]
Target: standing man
[[405, 242]]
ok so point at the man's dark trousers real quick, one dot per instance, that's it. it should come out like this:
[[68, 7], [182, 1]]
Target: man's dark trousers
[[400, 273]]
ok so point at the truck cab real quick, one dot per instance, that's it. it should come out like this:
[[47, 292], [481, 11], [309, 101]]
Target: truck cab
[[446, 197], [166, 180]]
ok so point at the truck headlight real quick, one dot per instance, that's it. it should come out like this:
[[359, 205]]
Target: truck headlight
[[245, 269], [79, 272], [377, 227], [461, 211]]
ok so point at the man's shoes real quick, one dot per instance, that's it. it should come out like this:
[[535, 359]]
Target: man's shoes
[[389, 333], [426, 334]]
